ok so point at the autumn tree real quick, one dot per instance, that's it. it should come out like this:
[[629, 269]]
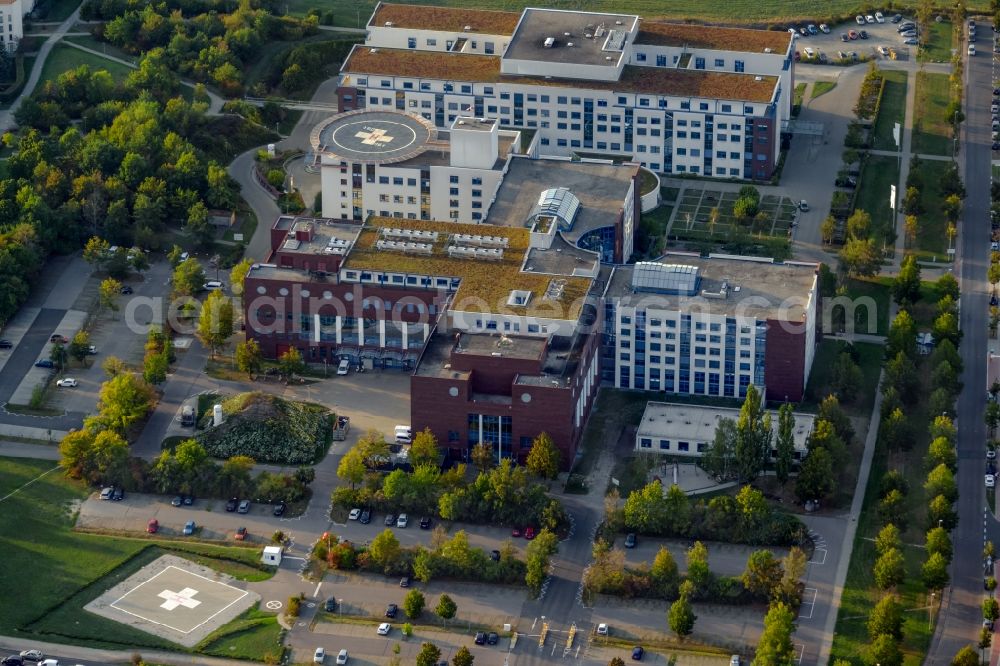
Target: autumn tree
[[249, 358], [108, 294], [544, 457], [785, 444], [215, 324]]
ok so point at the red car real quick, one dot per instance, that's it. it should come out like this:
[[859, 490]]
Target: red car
[[152, 526], [529, 533], [516, 532], [241, 534]]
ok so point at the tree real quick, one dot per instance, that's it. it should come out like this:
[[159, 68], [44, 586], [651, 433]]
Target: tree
[[113, 366], [753, 436], [698, 571], [896, 432], [462, 657], [372, 449], [794, 565], [911, 225], [816, 478], [884, 651], [775, 645], [940, 512], [616, 661], [215, 324], [681, 617], [429, 653], [938, 541], [934, 572], [860, 258], [79, 346], [96, 252], [424, 449], [155, 366], [482, 457], [199, 224], [174, 255], [385, 551], [887, 539], [902, 336], [544, 457], [991, 416], [901, 374], [941, 481], [108, 293], [237, 275], [249, 358], [828, 228], [664, 571], [906, 286], [889, 569], [537, 556], [762, 574], [846, 378], [290, 363], [720, 459], [445, 608], [965, 657], [124, 400], [947, 285], [886, 618], [859, 224], [188, 277], [945, 327], [785, 444], [645, 509], [991, 609], [413, 604]]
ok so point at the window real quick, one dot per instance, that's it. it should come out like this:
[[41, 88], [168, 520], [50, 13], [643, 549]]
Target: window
[[738, 65], [453, 191], [561, 100], [719, 62], [408, 85], [383, 180], [488, 90], [703, 106], [397, 180], [646, 443], [488, 48], [686, 106], [561, 142], [699, 63], [640, 57], [664, 444], [661, 61], [432, 42], [477, 181], [467, 89], [622, 100], [412, 182], [411, 42]]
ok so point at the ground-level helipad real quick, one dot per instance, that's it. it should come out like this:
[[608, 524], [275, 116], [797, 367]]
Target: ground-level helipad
[[175, 599]]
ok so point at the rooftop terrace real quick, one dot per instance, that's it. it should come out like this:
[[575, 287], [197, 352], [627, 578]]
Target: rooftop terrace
[[486, 69]]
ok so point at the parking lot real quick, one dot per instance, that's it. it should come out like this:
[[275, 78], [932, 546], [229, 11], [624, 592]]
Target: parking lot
[[725, 559], [832, 45]]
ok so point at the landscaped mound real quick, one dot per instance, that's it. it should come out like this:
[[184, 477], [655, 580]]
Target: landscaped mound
[[268, 429]]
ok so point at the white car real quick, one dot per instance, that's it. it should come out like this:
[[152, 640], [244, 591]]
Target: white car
[[32, 655], [883, 51], [342, 657], [972, 49], [213, 285], [735, 659], [879, 17], [402, 521], [859, 19], [344, 367], [810, 52], [991, 454], [804, 206], [990, 481], [869, 19], [384, 629], [602, 629], [354, 514], [66, 382], [319, 655]]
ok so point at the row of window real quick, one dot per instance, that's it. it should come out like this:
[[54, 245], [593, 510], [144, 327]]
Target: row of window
[[489, 48], [664, 444]]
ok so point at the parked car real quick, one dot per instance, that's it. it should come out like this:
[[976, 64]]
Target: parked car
[[602, 629], [177, 501], [390, 520], [859, 19], [516, 532], [187, 499], [480, 638], [852, 34], [106, 493], [402, 521], [213, 285], [529, 533], [384, 629], [366, 517], [896, 18], [492, 638], [849, 182], [153, 526], [863, 34], [241, 534], [637, 653], [189, 528], [912, 41], [630, 540], [869, 19], [118, 495], [991, 454], [319, 655], [12, 660], [44, 363], [279, 509], [735, 659], [244, 507], [67, 382], [330, 605], [354, 514], [126, 290], [879, 18], [342, 657], [391, 610], [404, 581], [824, 28], [972, 49], [804, 206], [32, 655], [991, 481], [495, 555], [844, 37], [56, 338], [344, 367], [425, 523], [232, 504], [6, 344]]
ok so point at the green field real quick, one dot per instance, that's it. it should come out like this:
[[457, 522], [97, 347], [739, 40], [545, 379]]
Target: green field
[[891, 109], [63, 58], [931, 129], [356, 14], [932, 239], [877, 175], [58, 10], [253, 636], [938, 45], [822, 88], [652, 230], [870, 363]]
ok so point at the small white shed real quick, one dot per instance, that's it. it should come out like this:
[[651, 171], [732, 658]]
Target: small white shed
[[272, 555]]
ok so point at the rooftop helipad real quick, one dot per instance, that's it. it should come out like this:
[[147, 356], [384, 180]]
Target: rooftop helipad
[[371, 137]]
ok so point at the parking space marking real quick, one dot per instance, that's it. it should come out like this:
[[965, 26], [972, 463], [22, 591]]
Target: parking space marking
[[811, 604], [817, 560], [801, 649]]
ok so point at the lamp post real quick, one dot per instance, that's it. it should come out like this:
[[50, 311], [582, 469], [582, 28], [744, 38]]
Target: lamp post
[[930, 613]]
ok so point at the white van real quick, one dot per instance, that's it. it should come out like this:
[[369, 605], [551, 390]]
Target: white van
[[344, 367], [403, 434]]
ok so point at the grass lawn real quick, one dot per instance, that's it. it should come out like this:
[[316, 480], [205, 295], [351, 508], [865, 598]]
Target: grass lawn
[[822, 88], [653, 229], [932, 239], [92, 42], [870, 363], [798, 96], [356, 14], [632, 473], [648, 181], [877, 174], [891, 110], [931, 129], [253, 636], [860, 593], [764, 235], [59, 10], [613, 410], [64, 58], [938, 46]]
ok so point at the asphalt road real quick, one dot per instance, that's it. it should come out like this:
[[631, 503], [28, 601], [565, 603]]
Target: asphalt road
[[961, 617]]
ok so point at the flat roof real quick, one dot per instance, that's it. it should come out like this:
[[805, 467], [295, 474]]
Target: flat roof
[[373, 136], [473, 68], [475, 124], [601, 189], [488, 280], [562, 258], [759, 288], [719, 38], [445, 19], [697, 423], [609, 33]]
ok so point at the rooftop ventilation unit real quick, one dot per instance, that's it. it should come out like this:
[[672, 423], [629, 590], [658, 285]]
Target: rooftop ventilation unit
[[492, 241], [410, 234], [570, 44], [768, 49], [468, 28], [388, 24], [555, 289], [373, 50], [616, 40], [465, 252], [758, 78], [567, 34], [400, 246]]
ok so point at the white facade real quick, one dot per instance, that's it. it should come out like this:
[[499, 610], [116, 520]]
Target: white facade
[[12, 23], [665, 130]]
